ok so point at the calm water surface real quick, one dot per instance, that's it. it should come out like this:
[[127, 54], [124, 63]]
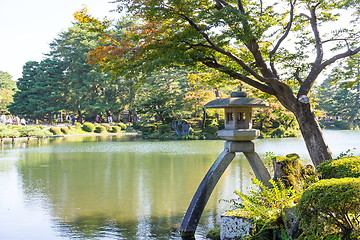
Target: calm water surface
[[115, 187]]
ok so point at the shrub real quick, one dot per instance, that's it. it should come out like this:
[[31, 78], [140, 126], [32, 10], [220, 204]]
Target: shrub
[[116, 129], [330, 206], [137, 125], [55, 130], [163, 128], [148, 128], [122, 125], [211, 129], [9, 133], [40, 126], [88, 127], [341, 124], [100, 129], [65, 130], [221, 123], [69, 127], [106, 125], [340, 168], [77, 124]]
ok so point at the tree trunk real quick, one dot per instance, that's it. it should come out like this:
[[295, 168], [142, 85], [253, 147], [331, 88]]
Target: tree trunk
[[80, 116], [318, 149]]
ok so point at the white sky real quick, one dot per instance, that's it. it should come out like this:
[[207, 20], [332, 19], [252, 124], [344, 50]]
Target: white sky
[[27, 27]]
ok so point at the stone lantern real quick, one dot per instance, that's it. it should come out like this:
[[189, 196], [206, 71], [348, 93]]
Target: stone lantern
[[238, 116], [238, 134]]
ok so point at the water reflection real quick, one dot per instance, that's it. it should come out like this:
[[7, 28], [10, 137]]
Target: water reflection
[[114, 187]]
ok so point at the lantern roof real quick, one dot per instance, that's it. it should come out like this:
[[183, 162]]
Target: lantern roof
[[238, 99]]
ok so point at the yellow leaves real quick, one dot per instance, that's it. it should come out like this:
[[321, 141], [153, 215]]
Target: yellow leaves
[[82, 16]]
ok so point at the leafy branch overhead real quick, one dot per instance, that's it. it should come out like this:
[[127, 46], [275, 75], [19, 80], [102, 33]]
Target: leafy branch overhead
[[279, 47]]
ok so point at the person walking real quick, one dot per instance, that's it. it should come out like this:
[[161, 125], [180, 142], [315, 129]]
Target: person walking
[[73, 120]]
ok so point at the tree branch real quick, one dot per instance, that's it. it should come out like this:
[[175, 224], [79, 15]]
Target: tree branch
[[235, 75], [288, 28], [316, 68]]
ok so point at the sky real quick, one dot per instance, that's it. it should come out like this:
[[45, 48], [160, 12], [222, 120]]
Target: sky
[[28, 26]]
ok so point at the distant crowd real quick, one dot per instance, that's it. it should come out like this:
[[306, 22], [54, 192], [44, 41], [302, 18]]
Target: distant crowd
[[12, 120]]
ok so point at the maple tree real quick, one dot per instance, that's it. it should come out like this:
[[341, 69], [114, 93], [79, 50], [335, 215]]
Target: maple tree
[[277, 47]]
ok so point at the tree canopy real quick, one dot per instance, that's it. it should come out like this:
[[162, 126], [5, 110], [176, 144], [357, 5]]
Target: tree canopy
[[275, 46]]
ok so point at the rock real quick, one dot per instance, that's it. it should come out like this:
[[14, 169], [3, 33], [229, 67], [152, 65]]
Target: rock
[[182, 128], [291, 223], [232, 227]]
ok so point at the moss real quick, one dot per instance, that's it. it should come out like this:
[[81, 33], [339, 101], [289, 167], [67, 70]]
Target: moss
[[214, 233], [294, 174]]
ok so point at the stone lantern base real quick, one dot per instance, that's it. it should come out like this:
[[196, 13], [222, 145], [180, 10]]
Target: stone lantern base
[[239, 134]]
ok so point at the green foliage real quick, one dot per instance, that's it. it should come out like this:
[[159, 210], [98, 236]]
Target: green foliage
[[221, 123], [106, 125], [137, 124], [100, 129], [148, 129], [330, 206], [116, 129], [65, 130], [265, 205], [55, 130], [6, 81], [88, 127], [77, 124], [122, 125], [69, 127], [163, 128], [340, 168], [211, 128], [214, 234]]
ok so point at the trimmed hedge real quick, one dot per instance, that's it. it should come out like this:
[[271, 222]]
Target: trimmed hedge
[[340, 168], [65, 130], [116, 129], [55, 130], [211, 128], [100, 129], [163, 128], [122, 125], [330, 206], [107, 126], [88, 127]]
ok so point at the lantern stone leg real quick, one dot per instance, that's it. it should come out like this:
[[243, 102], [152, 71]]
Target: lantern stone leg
[[201, 197]]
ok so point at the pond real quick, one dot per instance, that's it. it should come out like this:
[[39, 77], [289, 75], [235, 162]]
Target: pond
[[117, 187]]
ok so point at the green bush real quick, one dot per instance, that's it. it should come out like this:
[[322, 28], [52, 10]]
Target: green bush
[[137, 125], [55, 130], [330, 206], [69, 127], [77, 124], [88, 127], [340, 168], [9, 133], [116, 129], [341, 124], [221, 123], [65, 130], [122, 125], [40, 126], [100, 129], [211, 129], [163, 128], [107, 126]]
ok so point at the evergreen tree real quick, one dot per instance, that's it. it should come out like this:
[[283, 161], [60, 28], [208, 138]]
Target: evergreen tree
[[22, 104]]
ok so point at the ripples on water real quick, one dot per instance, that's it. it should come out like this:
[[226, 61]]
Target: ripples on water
[[113, 188]]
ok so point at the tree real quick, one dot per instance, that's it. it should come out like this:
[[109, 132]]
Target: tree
[[7, 88], [22, 105], [84, 84], [162, 95], [345, 81], [246, 41], [6, 81]]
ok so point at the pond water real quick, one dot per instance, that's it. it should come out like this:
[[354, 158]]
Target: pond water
[[116, 187]]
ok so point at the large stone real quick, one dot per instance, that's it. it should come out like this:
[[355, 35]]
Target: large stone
[[239, 134], [234, 227], [291, 222]]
